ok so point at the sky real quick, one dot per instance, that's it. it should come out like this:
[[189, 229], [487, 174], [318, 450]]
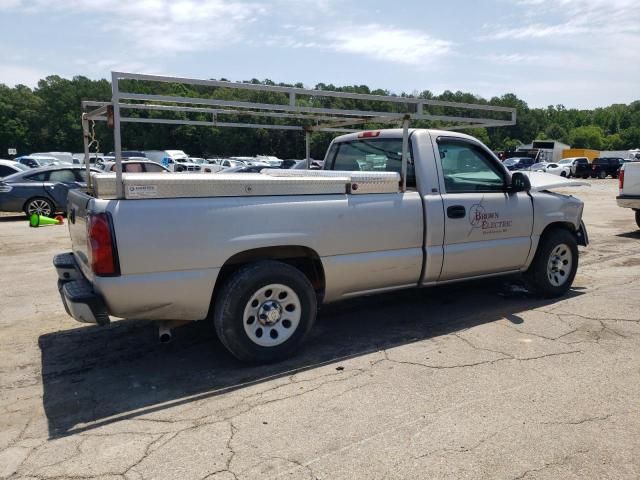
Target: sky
[[579, 53]]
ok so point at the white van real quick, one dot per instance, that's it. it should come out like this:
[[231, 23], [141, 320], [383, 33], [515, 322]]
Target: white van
[[174, 160]]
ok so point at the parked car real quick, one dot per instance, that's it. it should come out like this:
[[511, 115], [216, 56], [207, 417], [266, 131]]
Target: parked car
[[129, 154], [136, 166], [41, 190], [629, 188], [9, 167], [518, 163], [270, 159], [579, 166], [95, 160], [557, 169], [33, 161], [61, 157], [247, 169], [602, 167], [174, 160], [538, 167], [314, 237], [229, 162], [288, 163], [302, 165]]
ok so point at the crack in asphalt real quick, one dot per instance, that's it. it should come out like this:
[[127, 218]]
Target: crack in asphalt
[[560, 462], [581, 421]]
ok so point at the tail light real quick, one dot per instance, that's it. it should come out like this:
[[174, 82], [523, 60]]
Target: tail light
[[621, 179], [4, 188], [102, 247]]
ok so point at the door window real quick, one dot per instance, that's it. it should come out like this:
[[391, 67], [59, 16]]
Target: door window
[[468, 168], [66, 176], [153, 168], [38, 177]]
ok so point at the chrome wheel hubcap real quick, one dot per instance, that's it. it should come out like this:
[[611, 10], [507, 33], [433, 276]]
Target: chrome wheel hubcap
[[39, 207], [559, 265], [272, 315]]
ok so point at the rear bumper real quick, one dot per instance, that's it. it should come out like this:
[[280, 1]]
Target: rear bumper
[[629, 201], [78, 297]]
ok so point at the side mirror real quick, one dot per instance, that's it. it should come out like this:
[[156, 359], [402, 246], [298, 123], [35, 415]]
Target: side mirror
[[519, 183]]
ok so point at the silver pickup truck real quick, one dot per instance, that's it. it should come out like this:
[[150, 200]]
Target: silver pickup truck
[[259, 252]]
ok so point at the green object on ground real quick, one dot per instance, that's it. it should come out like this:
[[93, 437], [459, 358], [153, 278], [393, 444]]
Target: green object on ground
[[41, 221]]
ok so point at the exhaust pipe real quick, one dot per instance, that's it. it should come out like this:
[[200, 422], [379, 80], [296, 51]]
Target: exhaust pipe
[[164, 329], [164, 333]]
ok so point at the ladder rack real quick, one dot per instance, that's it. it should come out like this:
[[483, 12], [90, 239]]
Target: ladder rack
[[317, 119]]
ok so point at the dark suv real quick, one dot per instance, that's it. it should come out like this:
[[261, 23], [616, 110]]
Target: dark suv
[[604, 166], [579, 166]]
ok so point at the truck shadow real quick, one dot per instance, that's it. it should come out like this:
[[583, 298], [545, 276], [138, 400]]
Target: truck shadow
[[93, 376]]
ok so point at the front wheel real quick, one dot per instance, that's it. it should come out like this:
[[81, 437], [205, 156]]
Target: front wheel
[[555, 264], [563, 174], [264, 311]]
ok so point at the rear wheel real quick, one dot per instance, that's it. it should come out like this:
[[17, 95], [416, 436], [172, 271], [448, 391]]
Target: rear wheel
[[563, 174], [555, 264], [265, 311], [39, 206]]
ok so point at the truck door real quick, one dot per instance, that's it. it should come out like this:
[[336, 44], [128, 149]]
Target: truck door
[[487, 229]]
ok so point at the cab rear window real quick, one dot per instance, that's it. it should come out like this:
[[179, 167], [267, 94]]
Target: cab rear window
[[371, 155]]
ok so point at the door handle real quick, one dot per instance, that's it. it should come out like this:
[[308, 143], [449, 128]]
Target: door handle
[[456, 211]]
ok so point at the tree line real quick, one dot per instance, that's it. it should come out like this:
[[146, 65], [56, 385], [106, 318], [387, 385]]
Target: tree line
[[47, 118]]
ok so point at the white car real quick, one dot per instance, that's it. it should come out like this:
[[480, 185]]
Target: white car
[[538, 167], [9, 167], [556, 169]]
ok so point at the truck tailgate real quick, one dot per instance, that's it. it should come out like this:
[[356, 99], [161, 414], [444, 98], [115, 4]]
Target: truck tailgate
[[78, 211]]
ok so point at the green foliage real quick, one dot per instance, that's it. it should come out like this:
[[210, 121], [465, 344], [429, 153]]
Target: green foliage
[[47, 118], [510, 144], [588, 136], [556, 132]]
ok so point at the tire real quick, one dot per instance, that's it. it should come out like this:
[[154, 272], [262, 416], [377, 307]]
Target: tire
[[563, 174], [258, 300], [39, 205], [546, 276], [602, 175], [638, 218]]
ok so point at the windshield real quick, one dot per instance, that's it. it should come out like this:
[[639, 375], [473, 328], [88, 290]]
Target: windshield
[[510, 161]]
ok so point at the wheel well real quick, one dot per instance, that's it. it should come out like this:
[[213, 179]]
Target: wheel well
[[557, 226], [53, 204], [303, 258]]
